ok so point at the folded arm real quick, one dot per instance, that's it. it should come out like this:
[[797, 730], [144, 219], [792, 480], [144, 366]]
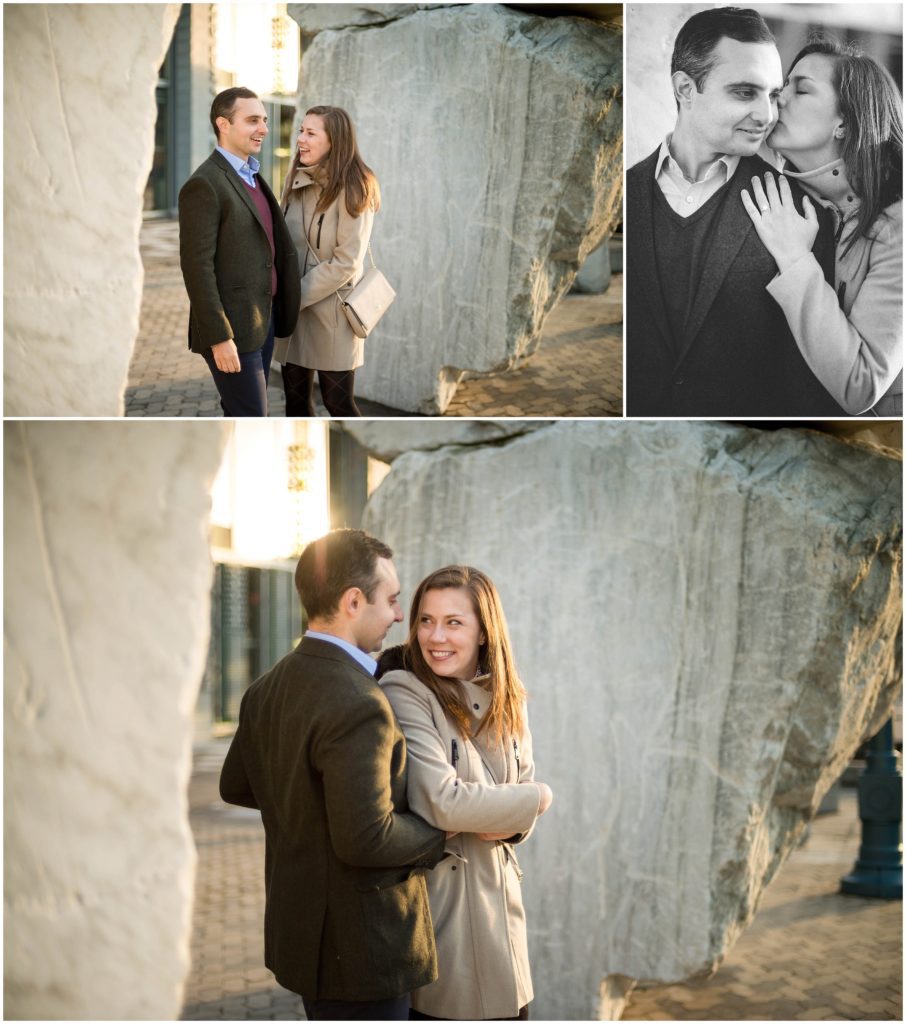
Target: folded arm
[[435, 791]]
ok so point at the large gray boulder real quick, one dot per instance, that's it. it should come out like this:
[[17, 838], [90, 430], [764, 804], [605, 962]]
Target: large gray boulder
[[497, 138], [79, 83], [706, 619]]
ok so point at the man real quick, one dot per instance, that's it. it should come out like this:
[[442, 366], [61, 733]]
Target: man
[[238, 260], [319, 752], [703, 336]]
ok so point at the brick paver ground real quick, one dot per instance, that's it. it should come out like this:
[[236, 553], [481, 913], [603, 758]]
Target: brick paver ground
[[810, 954], [577, 371]]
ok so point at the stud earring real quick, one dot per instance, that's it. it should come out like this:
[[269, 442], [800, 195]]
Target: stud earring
[[838, 133]]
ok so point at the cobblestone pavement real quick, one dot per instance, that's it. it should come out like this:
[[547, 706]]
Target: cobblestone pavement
[[810, 954], [577, 371]]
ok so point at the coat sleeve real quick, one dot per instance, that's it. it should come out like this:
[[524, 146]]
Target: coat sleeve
[[435, 791], [199, 226], [856, 357], [353, 752], [526, 773], [235, 787], [347, 260]]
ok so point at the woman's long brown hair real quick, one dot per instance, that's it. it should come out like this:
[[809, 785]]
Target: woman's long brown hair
[[505, 716], [872, 146], [345, 170]]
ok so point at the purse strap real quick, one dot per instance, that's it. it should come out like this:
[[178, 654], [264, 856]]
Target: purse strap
[[318, 261]]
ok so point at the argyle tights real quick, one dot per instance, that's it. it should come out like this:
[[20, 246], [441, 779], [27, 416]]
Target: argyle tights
[[337, 391]]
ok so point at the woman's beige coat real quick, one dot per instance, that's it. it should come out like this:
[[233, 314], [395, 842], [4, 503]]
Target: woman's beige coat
[[470, 786], [851, 336], [323, 339]]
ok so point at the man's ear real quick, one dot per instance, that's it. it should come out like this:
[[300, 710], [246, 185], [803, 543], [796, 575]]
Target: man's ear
[[352, 601], [683, 88]]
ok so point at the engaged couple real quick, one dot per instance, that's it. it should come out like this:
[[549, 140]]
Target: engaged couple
[[392, 807], [274, 281], [758, 292]]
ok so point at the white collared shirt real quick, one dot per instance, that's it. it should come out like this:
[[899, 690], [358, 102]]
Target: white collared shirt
[[684, 196]]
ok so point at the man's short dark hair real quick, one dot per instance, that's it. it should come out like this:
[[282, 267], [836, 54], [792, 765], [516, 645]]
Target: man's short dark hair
[[332, 564], [693, 51], [224, 104]]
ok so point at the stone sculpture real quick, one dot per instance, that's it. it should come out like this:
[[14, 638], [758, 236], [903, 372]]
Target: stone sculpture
[[74, 174], [497, 138], [706, 618], [107, 579]]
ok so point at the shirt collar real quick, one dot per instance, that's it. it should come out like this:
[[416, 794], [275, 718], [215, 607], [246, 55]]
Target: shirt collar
[[725, 163], [368, 663], [238, 164]]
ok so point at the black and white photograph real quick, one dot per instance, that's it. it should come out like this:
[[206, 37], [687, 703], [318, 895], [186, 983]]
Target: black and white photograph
[[764, 210]]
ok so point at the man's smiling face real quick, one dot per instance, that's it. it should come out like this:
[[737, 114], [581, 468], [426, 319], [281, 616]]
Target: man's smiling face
[[737, 106]]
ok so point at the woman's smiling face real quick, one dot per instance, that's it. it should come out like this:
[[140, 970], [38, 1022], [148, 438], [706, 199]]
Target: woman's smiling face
[[449, 632], [808, 114], [312, 142]]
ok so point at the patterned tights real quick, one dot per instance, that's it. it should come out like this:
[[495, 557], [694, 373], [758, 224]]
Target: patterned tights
[[337, 391]]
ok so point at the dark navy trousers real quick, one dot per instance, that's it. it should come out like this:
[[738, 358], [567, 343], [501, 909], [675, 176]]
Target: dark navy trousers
[[245, 393], [343, 1009]]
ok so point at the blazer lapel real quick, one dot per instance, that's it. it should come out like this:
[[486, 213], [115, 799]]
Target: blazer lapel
[[733, 229], [233, 178], [641, 267]]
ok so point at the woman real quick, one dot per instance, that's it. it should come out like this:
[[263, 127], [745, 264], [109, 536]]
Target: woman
[[840, 130], [329, 200], [461, 707]]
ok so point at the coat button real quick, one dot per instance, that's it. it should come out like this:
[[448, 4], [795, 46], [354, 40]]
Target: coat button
[[453, 868], [476, 707], [836, 172]]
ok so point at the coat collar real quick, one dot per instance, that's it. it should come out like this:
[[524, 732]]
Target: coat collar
[[829, 186]]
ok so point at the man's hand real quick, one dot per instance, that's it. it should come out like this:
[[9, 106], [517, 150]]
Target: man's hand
[[786, 235], [226, 356]]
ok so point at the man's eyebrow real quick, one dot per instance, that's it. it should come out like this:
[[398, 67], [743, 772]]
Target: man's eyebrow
[[745, 85]]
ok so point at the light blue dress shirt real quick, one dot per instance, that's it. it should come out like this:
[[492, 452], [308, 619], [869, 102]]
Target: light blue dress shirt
[[367, 663], [246, 169]]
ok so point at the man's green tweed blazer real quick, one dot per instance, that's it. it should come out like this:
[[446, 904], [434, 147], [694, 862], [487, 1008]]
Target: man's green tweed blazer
[[319, 752], [226, 260]]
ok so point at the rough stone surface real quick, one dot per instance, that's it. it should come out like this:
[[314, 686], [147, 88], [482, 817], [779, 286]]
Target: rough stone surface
[[74, 174], [107, 579], [499, 153], [314, 18], [706, 619], [390, 439]]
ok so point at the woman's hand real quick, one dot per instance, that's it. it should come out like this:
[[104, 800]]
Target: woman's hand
[[786, 234], [545, 799]]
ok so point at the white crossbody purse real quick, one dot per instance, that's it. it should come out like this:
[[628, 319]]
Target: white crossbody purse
[[368, 301]]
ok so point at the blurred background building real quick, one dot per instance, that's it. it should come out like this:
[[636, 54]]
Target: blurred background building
[[214, 47], [315, 478]]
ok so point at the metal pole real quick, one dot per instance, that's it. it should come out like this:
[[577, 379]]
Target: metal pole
[[878, 871]]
